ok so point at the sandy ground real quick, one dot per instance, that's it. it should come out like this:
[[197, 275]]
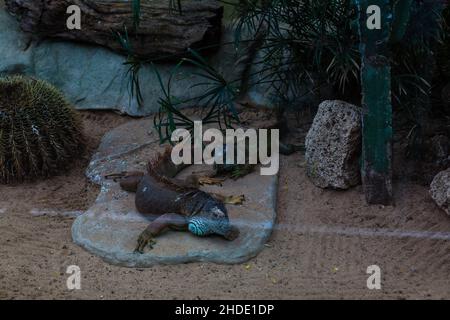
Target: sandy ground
[[321, 248]]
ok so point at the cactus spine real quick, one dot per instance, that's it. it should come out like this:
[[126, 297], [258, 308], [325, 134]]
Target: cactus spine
[[40, 134]]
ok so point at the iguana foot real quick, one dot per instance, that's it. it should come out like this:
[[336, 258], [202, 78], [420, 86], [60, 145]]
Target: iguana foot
[[210, 181], [235, 200], [145, 239]]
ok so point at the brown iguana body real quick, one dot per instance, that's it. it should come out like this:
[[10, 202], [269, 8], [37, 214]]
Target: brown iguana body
[[180, 205]]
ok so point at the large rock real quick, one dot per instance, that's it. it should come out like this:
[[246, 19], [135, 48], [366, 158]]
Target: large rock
[[93, 77], [110, 228], [440, 190], [333, 146]]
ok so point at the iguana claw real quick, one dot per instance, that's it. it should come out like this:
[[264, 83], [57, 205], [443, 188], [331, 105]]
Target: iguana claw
[[145, 239], [210, 181], [235, 200]]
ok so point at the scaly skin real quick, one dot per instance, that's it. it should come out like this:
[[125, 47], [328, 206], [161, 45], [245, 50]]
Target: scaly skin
[[178, 204]]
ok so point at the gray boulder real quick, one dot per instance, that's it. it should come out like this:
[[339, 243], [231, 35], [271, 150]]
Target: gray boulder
[[440, 190], [333, 146]]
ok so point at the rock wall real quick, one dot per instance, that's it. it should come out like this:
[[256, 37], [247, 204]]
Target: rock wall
[[93, 77], [161, 33]]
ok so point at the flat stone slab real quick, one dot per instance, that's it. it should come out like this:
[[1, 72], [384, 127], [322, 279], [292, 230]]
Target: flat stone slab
[[110, 228]]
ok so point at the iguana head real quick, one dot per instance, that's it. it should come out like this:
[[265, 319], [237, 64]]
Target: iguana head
[[213, 219]]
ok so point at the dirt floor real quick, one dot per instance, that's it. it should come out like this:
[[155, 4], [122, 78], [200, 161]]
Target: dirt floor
[[321, 247]]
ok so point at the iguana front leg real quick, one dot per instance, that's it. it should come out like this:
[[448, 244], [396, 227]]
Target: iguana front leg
[[129, 181], [169, 220]]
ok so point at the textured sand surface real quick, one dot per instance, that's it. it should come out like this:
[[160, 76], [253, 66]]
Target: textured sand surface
[[321, 247]]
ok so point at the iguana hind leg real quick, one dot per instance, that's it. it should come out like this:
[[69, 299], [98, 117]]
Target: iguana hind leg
[[128, 180], [169, 220]]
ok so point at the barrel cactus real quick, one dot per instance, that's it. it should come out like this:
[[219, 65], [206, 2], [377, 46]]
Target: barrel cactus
[[40, 134]]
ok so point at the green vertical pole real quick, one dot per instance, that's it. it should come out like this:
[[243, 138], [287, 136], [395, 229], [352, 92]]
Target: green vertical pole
[[401, 13], [376, 102]]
